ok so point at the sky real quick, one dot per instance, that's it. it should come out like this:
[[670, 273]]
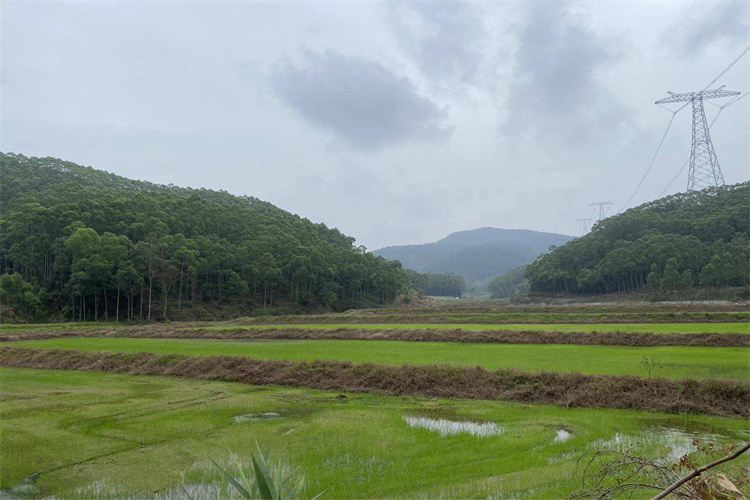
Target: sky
[[396, 122]]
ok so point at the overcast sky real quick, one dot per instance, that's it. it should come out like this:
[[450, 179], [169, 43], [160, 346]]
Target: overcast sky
[[395, 122]]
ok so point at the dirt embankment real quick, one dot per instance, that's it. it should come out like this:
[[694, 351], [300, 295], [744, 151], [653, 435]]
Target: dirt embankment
[[502, 318], [438, 335], [714, 397]]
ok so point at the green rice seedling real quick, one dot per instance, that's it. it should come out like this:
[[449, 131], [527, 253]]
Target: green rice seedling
[[269, 483]]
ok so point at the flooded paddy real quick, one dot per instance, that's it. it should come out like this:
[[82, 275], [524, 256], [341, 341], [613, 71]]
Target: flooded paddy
[[451, 428]]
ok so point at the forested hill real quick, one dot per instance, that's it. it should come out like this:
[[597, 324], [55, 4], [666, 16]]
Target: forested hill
[[87, 242], [475, 254], [689, 239]]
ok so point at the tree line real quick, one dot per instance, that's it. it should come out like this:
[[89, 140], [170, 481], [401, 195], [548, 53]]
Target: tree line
[[511, 283], [436, 284], [694, 239], [84, 244]]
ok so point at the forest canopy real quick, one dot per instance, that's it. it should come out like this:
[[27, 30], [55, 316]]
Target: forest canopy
[[436, 284], [693, 239], [81, 243]]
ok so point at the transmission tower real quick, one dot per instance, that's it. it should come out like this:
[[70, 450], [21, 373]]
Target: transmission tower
[[602, 207], [584, 225], [704, 167]]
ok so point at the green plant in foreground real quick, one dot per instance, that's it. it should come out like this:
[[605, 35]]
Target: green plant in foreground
[[270, 483]]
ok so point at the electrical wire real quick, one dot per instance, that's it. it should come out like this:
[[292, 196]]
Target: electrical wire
[[728, 67], [721, 108], [653, 159]]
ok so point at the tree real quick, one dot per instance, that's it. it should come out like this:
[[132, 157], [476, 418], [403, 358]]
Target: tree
[[653, 280], [25, 299], [82, 235], [671, 278]]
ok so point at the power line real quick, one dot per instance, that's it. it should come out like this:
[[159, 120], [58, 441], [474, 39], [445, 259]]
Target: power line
[[704, 165], [603, 205], [721, 108], [653, 159], [727, 68], [584, 225]]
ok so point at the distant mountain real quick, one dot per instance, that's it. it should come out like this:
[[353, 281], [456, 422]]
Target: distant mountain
[[476, 254]]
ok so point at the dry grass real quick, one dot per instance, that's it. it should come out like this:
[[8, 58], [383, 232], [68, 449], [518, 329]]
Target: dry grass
[[437, 335], [713, 397]]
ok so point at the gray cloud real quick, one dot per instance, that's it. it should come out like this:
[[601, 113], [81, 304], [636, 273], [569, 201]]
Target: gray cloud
[[556, 90], [711, 23], [202, 100], [362, 102], [443, 38]]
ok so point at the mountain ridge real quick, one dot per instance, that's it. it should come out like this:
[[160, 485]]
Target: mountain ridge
[[475, 254]]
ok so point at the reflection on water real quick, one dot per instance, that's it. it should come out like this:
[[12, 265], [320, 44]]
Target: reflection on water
[[452, 427], [676, 442], [255, 417], [562, 435], [101, 491]]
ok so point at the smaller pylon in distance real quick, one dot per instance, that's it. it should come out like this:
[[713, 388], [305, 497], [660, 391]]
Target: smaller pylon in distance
[[602, 207], [584, 225]]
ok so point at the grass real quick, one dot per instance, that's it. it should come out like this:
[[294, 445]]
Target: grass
[[598, 327], [36, 327], [117, 433], [676, 362]]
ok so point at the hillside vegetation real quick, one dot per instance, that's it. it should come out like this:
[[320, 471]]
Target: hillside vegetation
[[84, 244], [510, 283], [695, 239]]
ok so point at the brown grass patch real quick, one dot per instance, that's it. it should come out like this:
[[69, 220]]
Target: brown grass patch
[[416, 335], [714, 397]]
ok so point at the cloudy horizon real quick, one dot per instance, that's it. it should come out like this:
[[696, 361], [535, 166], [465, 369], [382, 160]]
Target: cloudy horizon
[[396, 122]]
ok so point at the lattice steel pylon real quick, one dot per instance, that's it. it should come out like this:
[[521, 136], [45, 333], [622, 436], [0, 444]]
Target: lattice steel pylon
[[704, 166], [584, 225], [602, 207]]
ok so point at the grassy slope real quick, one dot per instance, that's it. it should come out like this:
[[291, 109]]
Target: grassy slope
[[677, 362], [601, 327], [146, 431]]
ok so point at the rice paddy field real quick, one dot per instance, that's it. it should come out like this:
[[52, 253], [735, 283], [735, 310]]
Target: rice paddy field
[[83, 416], [674, 361]]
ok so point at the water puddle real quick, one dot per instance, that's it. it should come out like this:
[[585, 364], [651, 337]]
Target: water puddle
[[453, 427], [256, 417], [101, 491], [562, 436], [676, 442], [24, 488]]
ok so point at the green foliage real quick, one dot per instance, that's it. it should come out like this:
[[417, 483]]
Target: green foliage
[[269, 483], [512, 282], [22, 297], [671, 278], [104, 246], [665, 244], [437, 284]]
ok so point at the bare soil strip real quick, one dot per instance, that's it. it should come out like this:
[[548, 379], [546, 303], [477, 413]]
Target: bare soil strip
[[727, 398], [437, 335]]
